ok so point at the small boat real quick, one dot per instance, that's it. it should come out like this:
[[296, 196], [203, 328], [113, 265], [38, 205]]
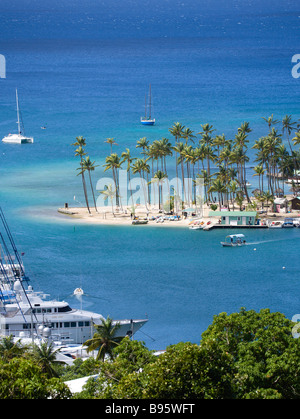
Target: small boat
[[276, 224], [18, 138], [288, 223], [148, 120], [196, 225], [160, 220], [234, 240], [138, 222]]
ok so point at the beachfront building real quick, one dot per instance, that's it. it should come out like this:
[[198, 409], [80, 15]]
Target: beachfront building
[[294, 203], [235, 218], [280, 205]]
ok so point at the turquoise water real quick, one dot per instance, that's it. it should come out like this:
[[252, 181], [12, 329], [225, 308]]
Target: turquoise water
[[84, 71]]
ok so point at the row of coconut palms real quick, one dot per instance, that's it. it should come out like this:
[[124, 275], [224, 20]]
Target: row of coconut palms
[[217, 161]]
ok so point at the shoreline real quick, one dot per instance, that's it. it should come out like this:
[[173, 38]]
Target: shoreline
[[104, 216]]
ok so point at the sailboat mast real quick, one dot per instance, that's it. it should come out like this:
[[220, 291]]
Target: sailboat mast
[[145, 106], [18, 113]]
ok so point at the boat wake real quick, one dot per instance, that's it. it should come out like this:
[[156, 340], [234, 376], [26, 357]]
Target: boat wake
[[264, 241]]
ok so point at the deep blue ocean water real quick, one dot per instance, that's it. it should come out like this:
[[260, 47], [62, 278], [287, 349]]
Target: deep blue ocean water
[[84, 69]]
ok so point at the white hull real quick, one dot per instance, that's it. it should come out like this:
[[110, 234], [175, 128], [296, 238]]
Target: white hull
[[24, 312], [276, 224], [224, 244], [17, 139]]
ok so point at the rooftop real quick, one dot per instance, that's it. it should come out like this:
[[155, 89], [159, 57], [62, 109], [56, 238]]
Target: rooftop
[[232, 213]]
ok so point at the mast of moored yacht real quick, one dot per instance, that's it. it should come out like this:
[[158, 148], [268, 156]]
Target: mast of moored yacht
[[18, 113]]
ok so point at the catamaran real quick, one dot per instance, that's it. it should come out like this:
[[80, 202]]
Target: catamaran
[[148, 120], [25, 313], [19, 138]]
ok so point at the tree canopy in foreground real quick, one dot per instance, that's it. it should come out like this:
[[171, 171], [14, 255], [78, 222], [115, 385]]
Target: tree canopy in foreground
[[242, 355]]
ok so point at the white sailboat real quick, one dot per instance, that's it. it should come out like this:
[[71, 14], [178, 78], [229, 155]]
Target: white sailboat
[[19, 138], [148, 120]]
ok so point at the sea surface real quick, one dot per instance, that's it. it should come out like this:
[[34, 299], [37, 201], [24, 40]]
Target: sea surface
[[84, 69]]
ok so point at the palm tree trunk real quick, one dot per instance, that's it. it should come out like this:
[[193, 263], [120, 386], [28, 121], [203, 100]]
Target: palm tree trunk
[[84, 189], [92, 190]]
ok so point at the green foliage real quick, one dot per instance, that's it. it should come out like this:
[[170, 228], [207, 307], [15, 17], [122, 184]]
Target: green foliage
[[130, 357], [266, 356], [80, 368], [245, 355], [23, 379]]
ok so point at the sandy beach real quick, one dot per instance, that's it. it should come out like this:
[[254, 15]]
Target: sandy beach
[[104, 216]]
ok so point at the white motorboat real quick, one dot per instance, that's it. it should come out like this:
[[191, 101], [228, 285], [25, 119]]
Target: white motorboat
[[234, 240], [288, 223], [24, 311], [275, 224], [196, 227], [19, 138]]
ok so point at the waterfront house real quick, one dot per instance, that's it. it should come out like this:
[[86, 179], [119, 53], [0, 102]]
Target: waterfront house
[[235, 218]]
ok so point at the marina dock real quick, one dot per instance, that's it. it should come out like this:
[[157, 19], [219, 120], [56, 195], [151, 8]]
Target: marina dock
[[211, 226]]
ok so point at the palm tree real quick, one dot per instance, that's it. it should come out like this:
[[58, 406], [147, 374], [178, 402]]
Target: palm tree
[[188, 135], [113, 162], [270, 121], [207, 129], [179, 148], [220, 188], [127, 158], [104, 339], [88, 165], [296, 139], [288, 125], [144, 144], [10, 349], [109, 193], [140, 166], [160, 177], [259, 171], [177, 130], [112, 142], [80, 142], [268, 197], [233, 189], [219, 141], [80, 152], [45, 355]]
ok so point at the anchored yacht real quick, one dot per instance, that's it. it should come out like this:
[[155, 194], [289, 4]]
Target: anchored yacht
[[25, 313], [18, 138]]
